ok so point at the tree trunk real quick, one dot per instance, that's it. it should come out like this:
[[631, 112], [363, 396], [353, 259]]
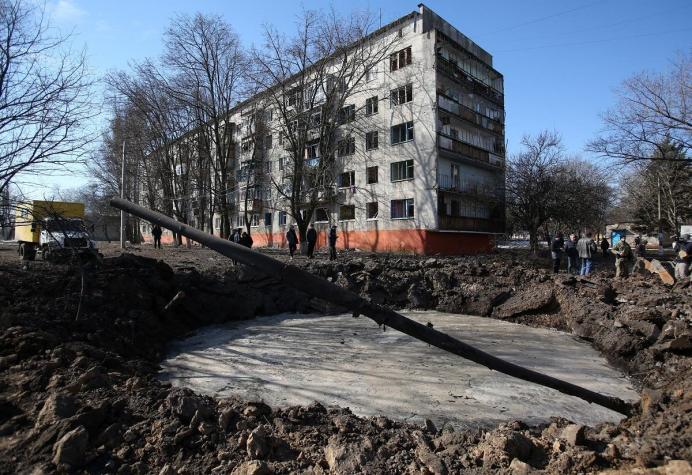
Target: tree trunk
[[533, 241]]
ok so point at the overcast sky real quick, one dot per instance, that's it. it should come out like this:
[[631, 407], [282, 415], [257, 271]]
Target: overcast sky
[[561, 60]]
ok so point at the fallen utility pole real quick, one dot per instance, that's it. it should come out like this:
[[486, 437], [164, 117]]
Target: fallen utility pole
[[315, 286]]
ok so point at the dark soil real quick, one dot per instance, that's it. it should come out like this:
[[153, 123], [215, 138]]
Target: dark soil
[[78, 388]]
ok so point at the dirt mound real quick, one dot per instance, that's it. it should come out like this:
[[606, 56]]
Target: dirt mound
[[80, 394]]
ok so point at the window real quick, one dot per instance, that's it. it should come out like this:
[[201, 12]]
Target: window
[[400, 59], [316, 119], [282, 218], [371, 173], [312, 150], [454, 208], [267, 219], [370, 73], [294, 97], [347, 212], [371, 210], [371, 105], [346, 179], [346, 146], [246, 145], [402, 170], [371, 140], [401, 95], [321, 215], [254, 219], [402, 133], [347, 114], [402, 209], [268, 142]]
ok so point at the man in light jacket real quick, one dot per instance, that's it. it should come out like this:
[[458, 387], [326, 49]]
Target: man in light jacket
[[586, 247]]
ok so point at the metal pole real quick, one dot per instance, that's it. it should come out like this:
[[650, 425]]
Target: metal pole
[[318, 287], [122, 196]]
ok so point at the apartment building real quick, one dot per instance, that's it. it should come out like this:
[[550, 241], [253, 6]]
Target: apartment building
[[423, 169]]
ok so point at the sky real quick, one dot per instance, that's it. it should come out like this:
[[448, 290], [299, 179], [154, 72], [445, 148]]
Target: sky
[[562, 60]]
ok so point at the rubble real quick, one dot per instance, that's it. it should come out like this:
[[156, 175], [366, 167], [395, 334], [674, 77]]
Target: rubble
[[83, 394]]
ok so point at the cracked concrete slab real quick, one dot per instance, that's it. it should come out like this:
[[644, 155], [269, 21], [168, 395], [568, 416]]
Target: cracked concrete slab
[[289, 359]]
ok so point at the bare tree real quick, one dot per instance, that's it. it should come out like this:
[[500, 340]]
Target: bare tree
[[583, 197], [44, 95], [531, 183], [253, 177], [206, 65], [658, 193], [306, 80], [651, 109]]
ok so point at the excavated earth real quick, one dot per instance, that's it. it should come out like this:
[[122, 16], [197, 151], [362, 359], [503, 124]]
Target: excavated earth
[[79, 355]]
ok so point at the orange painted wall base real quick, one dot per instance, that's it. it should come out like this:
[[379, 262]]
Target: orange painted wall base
[[416, 241]]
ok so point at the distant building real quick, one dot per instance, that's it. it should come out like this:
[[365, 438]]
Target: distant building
[[425, 174]]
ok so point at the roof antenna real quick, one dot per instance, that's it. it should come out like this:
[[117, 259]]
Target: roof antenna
[[380, 18]]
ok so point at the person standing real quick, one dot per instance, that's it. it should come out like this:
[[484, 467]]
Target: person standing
[[292, 240], [157, 232], [586, 247], [640, 247], [332, 243], [556, 251], [235, 238], [246, 240], [683, 257], [312, 240], [623, 253], [604, 247], [572, 254]]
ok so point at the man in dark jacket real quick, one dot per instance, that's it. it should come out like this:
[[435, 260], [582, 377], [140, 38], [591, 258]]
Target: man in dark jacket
[[556, 251], [156, 232], [604, 246], [312, 240], [572, 254], [332, 243], [246, 240], [292, 241], [586, 247]]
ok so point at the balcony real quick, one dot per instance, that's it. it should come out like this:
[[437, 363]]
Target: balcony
[[253, 204], [478, 225], [469, 153], [472, 84], [467, 187], [477, 119]]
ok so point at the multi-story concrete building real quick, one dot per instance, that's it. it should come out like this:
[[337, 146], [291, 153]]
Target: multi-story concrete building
[[422, 172]]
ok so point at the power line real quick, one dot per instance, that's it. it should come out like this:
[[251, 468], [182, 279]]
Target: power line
[[581, 43], [547, 17], [616, 24]]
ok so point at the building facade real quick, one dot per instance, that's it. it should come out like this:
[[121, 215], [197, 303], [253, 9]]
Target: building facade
[[421, 154]]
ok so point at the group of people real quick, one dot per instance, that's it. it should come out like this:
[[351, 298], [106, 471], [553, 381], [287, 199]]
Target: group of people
[[580, 253], [311, 239], [241, 237]]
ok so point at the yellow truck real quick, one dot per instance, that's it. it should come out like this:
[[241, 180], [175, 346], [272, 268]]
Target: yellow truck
[[51, 228]]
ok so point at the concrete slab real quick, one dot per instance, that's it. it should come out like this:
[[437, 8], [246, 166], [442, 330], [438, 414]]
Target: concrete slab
[[289, 360]]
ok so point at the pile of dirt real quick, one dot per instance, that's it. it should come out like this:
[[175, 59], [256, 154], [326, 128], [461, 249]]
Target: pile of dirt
[[78, 388]]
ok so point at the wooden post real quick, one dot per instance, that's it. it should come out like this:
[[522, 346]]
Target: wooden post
[[315, 286]]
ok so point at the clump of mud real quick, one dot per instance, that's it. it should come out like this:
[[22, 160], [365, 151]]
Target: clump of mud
[[80, 395]]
